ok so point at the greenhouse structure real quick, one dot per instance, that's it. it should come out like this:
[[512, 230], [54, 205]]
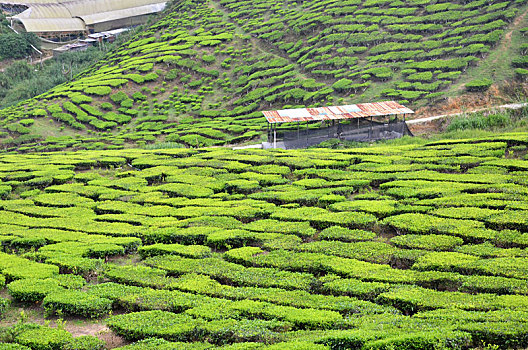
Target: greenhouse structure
[[64, 20]]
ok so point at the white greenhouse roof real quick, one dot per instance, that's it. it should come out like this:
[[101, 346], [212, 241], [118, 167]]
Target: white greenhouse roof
[[66, 16]]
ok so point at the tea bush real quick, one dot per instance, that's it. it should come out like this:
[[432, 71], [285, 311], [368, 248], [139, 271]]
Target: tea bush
[[426, 244]]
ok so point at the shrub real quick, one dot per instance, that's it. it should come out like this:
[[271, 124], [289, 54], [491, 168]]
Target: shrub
[[161, 344], [98, 90], [250, 276], [13, 346], [63, 200], [70, 281], [39, 112], [138, 275], [423, 76], [520, 62], [29, 269], [417, 223], [162, 324], [378, 252], [118, 118], [479, 85], [423, 340], [380, 208], [107, 106], [356, 288], [343, 85], [297, 345], [43, 338], [302, 229], [329, 199], [509, 219], [127, 103], [323, 218], [150, 77], [192, 251], [79, 98], [346, 235], [521, 73], [208, 59], [138, 96], [512, 333], [189, 191], [136, 78], [444, 261], [411, 299], [32, 290], [242, 186], [85, 342], [73, 302], [427, 242], [145, 67], [26, 122], [493, 284], [119, 97], [238, 238], [103, 250]]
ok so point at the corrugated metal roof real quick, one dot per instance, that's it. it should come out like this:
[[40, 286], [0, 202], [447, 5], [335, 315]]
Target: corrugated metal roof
[[119, 14], [362, 110], [42, 11], [66, 16], [29, 2], [89, 7], [53, 25], [114, 4]]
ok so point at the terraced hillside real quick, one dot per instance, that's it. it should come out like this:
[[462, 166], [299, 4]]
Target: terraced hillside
[[201, 74], [403, 247]]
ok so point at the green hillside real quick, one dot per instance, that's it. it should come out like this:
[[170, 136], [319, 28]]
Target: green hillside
[[200, 75], [422, 246]]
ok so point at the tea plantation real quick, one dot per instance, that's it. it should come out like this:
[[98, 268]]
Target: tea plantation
[[202, 73], [423, 246]]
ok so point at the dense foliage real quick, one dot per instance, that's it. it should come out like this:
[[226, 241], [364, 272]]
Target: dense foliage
[[13, 45], [422, 246]]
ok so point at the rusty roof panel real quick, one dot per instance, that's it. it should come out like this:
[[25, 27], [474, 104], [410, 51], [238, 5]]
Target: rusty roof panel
[[362, 110]]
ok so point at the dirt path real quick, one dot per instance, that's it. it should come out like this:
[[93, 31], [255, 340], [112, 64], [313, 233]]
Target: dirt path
[[506, 42], [503, 107], [42, 60]]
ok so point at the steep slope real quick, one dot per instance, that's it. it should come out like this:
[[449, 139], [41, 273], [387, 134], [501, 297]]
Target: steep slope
[[201, 74]]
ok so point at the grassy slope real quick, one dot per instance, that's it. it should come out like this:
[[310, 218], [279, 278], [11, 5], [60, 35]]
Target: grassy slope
[[264, 56], [497, 65]]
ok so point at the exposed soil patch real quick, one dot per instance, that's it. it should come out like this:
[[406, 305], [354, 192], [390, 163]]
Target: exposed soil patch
[[93, 329], [99, 330], [464, 103], [506, 94], [426, 128]]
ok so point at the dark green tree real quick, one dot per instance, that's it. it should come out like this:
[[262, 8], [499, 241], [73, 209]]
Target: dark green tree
[[13, 45]]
